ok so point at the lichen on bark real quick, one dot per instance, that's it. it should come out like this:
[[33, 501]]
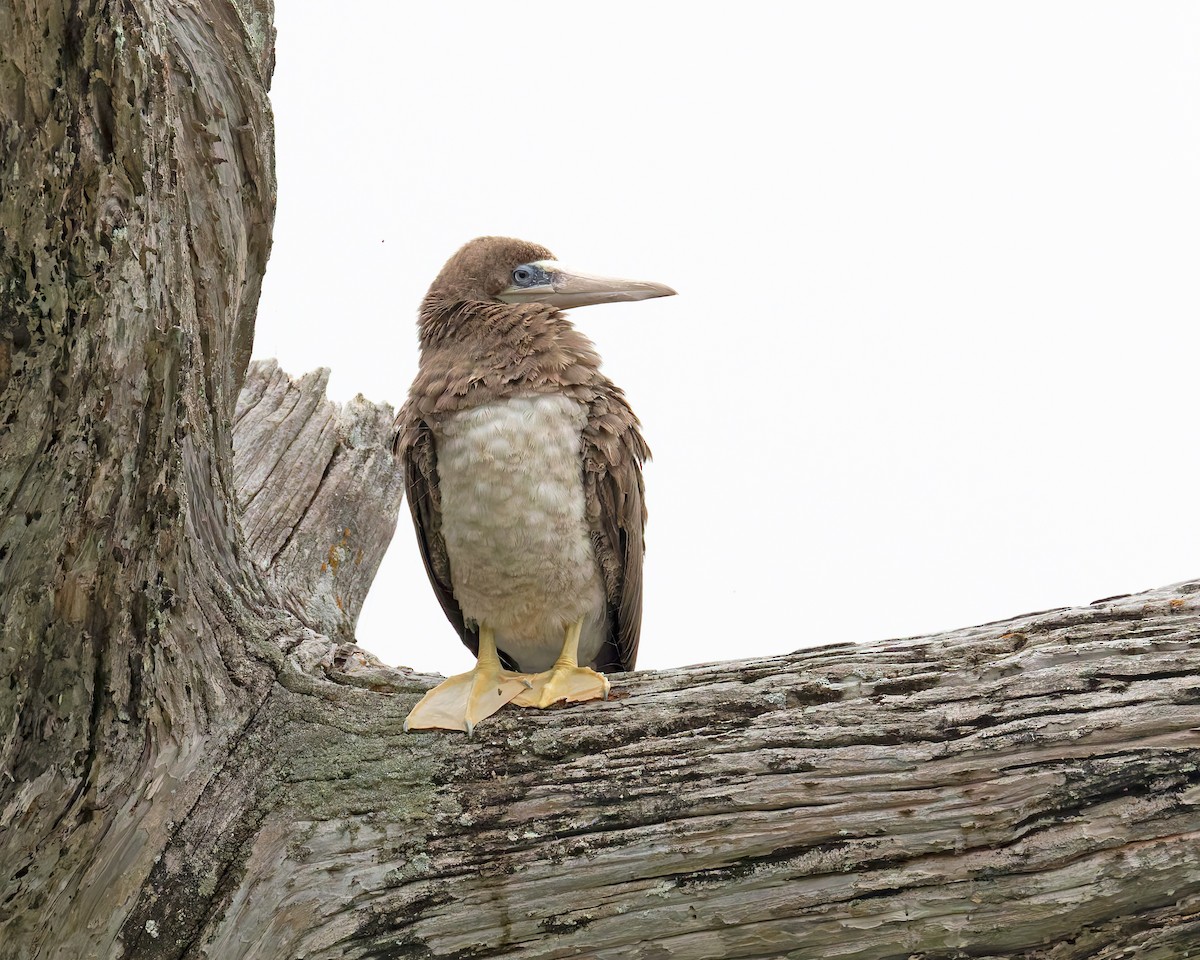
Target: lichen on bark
[[196, 761]]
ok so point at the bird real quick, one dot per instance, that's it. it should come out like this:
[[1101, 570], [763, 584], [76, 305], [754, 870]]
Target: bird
[[523, 473]]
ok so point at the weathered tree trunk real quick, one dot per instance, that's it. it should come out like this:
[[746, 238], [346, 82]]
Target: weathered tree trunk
[[195, 762]]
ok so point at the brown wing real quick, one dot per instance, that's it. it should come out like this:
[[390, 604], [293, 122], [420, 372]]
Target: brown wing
[[613, 451], [416, 447]]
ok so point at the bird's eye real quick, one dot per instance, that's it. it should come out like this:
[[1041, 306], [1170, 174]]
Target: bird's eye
[[522, 276]]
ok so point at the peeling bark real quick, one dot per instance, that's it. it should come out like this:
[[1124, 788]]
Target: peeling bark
[[136, 199], [195, 762]]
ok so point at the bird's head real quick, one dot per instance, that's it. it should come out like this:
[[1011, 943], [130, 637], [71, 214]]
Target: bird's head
[[514, 271]]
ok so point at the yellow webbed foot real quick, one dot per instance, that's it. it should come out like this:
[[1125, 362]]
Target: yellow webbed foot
[[564, 682], [461, 701]]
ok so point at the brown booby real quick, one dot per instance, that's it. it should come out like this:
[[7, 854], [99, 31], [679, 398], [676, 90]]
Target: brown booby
[[523, 469]]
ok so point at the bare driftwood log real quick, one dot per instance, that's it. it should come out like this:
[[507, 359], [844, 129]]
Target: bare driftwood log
[[1025, 789], [194, 763]]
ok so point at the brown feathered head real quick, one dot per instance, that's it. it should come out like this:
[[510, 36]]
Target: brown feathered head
[[515, 271], [482, 269]]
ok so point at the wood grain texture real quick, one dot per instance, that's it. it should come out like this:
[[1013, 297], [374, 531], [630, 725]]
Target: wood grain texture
[[194, 764], [136, 199], [318, 490], [1025, 789]]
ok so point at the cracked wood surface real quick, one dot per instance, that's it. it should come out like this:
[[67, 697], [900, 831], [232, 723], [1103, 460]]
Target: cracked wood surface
[[1023, 789], [193, 763], [301, 465]]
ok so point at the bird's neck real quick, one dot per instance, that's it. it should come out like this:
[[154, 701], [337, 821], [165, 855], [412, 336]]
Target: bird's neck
[[445, 321], [477, 350]]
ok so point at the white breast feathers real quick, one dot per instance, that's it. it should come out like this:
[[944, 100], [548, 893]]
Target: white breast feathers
[[521, 556]]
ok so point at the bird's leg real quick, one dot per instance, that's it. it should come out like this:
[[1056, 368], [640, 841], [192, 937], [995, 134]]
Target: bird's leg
[[461, 701], [566, 680]]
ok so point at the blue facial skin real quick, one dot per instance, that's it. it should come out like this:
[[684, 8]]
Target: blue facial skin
[[528, 275]]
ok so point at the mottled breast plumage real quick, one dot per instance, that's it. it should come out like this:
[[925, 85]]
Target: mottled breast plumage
[[521, 553]]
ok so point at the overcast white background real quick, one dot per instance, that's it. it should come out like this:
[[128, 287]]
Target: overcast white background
[[933, 358]]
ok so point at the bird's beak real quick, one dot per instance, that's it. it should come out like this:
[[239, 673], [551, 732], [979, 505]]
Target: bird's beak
[[565, 288]]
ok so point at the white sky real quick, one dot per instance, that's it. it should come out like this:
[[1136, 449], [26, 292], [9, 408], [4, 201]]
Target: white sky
[[933, 358]]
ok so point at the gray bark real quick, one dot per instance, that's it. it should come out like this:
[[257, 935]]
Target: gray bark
[[318, 491], [195, 762]]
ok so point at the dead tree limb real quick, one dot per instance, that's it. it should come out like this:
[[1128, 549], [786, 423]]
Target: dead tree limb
[[195, 763], [318, 491]]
